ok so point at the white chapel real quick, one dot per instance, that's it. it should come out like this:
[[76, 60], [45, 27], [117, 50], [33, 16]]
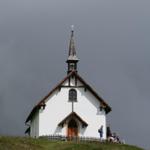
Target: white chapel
[[72, 108]]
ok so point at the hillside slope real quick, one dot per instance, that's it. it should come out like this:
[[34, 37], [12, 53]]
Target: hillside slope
[[22, 143]]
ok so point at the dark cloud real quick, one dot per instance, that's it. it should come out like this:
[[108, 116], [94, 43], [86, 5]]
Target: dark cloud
[[112, 41]]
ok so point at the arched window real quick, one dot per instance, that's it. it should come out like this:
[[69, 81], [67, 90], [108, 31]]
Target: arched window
[[72, 95]]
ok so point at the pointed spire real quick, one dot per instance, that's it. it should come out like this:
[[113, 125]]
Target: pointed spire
[[72, 57], [72, 51]]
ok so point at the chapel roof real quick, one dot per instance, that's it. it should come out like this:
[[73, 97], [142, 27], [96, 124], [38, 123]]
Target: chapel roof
[[106, 107]]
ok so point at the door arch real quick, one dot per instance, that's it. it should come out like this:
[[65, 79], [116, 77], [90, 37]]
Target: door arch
[[72, 129]]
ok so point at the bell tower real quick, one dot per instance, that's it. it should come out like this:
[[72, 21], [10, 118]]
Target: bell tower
[[72, 57]]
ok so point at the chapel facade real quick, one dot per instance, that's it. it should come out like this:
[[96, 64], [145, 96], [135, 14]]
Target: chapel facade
[[72, 108]]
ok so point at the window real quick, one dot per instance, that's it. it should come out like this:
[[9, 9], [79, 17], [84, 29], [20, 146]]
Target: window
[[71, 66], [72, 95]]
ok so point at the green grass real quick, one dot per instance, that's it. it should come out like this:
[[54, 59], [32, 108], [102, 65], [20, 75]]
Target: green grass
[[24, 143]]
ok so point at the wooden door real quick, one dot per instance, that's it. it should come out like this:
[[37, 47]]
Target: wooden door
[[72, 129]]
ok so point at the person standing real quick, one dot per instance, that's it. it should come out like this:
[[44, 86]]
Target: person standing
[[100, 130], [109, 134]]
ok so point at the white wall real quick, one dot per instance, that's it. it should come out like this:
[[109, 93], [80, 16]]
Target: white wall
[[88, 108], [58, 107], [34, 128]]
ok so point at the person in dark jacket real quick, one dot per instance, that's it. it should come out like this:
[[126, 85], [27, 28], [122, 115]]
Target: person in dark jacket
[[109, 134], [100, 130]]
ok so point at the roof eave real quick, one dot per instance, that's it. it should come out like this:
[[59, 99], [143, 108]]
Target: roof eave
[[73, 114], [42, 102]]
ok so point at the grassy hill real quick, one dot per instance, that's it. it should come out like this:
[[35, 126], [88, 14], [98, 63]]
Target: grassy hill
[[22, 143]]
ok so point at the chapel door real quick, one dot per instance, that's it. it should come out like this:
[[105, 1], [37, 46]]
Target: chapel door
[[72, 129]]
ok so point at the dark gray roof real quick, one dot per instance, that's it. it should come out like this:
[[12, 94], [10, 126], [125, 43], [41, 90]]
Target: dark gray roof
[[73, 73], [72, 51]]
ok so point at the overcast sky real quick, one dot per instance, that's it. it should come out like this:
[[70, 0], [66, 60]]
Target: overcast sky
[[112, 42]]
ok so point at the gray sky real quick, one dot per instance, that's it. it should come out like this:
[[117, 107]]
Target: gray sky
[[112, 42]]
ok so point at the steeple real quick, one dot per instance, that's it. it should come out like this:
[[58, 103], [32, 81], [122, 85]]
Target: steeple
[[72, 57]]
